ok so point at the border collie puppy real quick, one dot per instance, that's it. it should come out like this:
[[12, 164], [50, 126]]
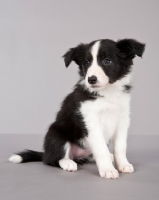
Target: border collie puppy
[[96, 112]]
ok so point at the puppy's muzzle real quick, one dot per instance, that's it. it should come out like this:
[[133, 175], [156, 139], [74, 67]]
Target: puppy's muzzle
[[92, 80]]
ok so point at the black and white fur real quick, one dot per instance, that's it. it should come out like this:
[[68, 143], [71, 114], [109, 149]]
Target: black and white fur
[[96, 112]]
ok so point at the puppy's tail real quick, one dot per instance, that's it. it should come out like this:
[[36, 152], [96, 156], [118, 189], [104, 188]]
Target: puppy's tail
[[26, 156]]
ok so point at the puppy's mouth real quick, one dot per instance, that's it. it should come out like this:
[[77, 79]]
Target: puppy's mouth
[[95, 86]]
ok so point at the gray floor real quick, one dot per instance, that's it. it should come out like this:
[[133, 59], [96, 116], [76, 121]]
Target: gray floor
[[35, 181]]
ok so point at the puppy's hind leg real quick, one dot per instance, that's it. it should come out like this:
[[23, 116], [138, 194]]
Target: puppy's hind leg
[[57, 150], [66, 163]]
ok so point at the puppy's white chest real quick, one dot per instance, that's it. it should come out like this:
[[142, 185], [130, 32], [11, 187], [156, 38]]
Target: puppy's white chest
[[108, 115], [108, 118], [101, 114]]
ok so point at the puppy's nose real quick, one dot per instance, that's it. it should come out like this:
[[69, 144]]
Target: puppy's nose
[[92, 80]]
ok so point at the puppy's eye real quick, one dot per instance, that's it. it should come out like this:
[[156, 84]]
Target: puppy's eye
[[86, 63], [106, 61]]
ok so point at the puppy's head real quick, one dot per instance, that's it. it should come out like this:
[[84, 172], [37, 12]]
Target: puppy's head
[[103, 62]]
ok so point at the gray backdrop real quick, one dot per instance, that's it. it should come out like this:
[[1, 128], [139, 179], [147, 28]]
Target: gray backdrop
[[35, 34]]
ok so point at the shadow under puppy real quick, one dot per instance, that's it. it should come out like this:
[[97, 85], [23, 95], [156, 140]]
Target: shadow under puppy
[[96, 112]]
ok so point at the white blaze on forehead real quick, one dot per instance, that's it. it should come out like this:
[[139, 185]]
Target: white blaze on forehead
[[96, 70], [94, 52]]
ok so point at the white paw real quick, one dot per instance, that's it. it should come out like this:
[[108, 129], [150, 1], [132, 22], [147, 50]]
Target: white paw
[[110, 173], [126, 168], [15, 158], [68, 165]]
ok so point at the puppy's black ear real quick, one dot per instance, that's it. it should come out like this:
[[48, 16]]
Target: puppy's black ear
[[74, 54], [129, 48], [68, 56]]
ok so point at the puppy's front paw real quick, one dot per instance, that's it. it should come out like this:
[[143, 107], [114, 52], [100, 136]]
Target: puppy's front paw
[[110, 173], [126, 168], [68, 165]]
